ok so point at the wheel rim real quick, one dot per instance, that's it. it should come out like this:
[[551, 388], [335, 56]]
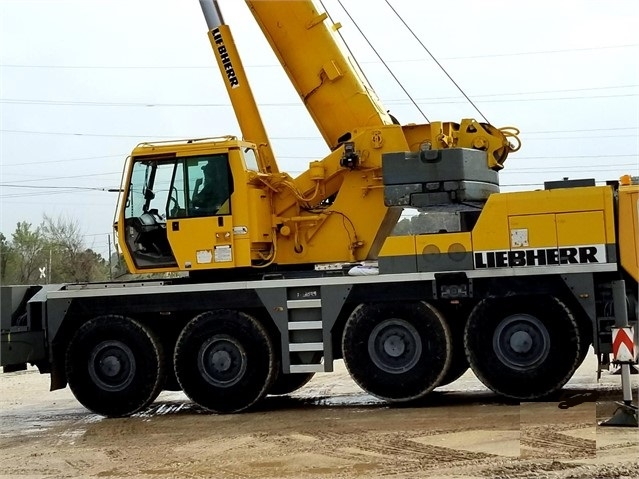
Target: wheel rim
[[521, 341], [112, 365], [394, 346], [222, 361]]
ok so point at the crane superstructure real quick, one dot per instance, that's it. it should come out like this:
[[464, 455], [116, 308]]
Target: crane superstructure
[[333, 212]]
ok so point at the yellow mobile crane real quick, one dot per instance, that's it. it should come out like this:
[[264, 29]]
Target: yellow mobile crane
[[515, 285]]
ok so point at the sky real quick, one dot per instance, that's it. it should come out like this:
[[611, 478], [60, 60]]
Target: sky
[[83, 81]]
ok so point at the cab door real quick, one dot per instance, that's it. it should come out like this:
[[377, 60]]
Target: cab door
[[200, 228]]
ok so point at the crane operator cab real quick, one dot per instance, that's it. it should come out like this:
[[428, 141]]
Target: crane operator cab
[[184, 207]]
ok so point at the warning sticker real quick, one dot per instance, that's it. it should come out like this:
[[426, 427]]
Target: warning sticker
[[203, 256], [223, 254]]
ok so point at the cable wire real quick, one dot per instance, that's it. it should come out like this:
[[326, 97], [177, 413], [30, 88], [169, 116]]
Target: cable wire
[[437, 62], [382, 60], [277, 65]]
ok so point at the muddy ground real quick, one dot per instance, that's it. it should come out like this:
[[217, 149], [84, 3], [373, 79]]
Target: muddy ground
[[329, 429]]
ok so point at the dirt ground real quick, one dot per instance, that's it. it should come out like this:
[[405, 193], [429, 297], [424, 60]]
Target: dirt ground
[[329, 429]]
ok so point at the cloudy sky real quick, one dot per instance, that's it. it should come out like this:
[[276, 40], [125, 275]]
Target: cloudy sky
[[83, 81]]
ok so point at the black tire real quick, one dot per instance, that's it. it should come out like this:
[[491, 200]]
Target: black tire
[[224, 361], [396, 351], [171, 383], [458, 362], [114, 366], [288, 383], [523, 347]]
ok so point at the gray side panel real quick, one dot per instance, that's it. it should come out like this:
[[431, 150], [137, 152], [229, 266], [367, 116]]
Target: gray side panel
[[582, 286], [22, 347], [445, 262], [397, 264], [333, 299], [274, 301], [56, 311]]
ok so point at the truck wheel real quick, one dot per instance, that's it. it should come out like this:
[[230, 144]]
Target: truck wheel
[[523, 347], [224, 361], [396, 351], [114, 366], [288, 383]]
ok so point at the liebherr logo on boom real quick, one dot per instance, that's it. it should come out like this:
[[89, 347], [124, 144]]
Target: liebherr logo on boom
[[224, 57], [573, 255]]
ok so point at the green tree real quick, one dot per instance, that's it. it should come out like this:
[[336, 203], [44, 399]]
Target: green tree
[[6, 256], [28, 247]]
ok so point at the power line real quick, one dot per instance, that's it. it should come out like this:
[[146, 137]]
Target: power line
[[449, 99], [583, 137], [570, 167], [274, 65], [22, 164], [48, 178], [87, 134], [173, 137], [607, 155]]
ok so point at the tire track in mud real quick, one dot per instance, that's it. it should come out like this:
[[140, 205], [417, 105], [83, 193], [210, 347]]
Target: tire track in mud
[[551, 442], [398, 453], [528, 469]]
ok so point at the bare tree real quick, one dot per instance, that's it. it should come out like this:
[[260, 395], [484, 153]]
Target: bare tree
[[73, 261]]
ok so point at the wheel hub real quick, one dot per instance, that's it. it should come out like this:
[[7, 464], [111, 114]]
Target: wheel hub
[[222, 361], [521, 342], [394, 346], [112, 365]]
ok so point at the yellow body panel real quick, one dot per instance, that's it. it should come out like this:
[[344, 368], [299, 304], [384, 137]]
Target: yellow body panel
[[201, 243], [629, 229], [491, 230], [559, 217], [535, 221], [399, 246], [581, 228]]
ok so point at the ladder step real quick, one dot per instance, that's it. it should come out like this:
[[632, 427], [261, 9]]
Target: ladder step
[[300, 347], [303, 303], [307, 368], [303, 325]]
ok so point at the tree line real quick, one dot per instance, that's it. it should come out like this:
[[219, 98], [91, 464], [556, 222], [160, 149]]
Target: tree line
[[54, 251]]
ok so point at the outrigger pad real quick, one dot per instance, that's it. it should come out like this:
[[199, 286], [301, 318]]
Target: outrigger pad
[[624, 416]]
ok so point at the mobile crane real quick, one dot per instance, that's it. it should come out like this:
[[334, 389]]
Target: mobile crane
[[518, 288]]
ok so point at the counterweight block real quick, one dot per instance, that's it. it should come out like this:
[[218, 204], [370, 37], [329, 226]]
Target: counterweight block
[[437, 177]]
